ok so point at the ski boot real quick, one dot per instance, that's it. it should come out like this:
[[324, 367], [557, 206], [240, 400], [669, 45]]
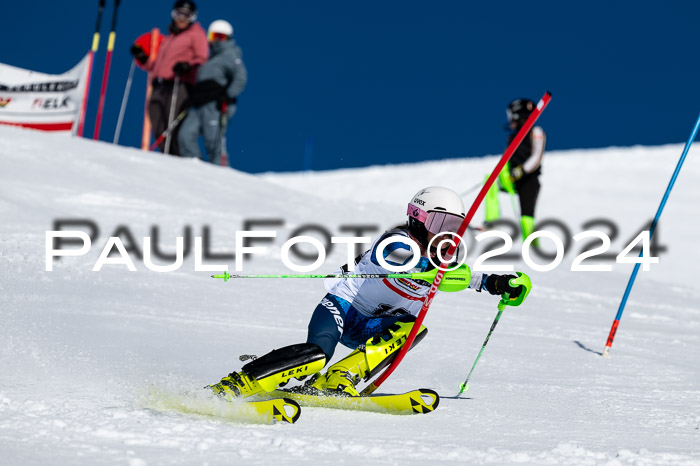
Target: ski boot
[[268, 372], [527, 227], [366, 362]]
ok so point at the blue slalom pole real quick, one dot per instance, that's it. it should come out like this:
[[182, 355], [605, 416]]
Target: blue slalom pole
[[616, 322]]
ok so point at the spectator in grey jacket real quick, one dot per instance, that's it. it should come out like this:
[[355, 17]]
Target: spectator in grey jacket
[[219, 81]]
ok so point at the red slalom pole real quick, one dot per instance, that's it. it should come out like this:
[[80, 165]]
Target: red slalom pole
[[510, 150], [91, 59], [105, 74]]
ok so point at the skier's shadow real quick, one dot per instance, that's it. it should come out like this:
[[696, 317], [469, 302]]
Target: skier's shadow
[[583, 347]]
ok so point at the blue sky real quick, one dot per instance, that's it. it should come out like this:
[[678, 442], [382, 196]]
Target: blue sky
[[376, 82]]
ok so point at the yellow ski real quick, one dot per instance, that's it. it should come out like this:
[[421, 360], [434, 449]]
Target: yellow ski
[[421, 401], [282, 409]]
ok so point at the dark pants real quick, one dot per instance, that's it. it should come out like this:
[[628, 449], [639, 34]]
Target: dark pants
[[528, 188], [159, 110], [206, 121], [334, 320]]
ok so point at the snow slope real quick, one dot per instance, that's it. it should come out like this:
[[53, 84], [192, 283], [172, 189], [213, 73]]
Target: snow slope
[[80, 351]]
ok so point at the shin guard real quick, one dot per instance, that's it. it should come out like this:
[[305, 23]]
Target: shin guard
[[365, 363]]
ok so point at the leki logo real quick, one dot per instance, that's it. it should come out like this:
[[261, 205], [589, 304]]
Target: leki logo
[[4, 101], [292, 372], [394, 346]]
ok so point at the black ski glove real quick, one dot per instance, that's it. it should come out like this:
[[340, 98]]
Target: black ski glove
[[181, 68], [499, 284], [220, 102], [138, 54]]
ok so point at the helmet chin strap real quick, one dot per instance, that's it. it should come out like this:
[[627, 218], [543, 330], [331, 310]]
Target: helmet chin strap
[[422, 242]]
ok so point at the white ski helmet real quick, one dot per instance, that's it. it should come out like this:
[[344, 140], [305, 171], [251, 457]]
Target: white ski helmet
[[434, 209], [219, 26]]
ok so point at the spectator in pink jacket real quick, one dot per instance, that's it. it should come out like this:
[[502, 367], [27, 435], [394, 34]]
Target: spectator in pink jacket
[[180, 54]]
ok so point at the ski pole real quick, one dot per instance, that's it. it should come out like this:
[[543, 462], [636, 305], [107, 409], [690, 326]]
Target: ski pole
[[222, 129], [105, 73], [464, 386], [454, 280], [171, 117], [541, 105], [471, 189], [168, 130], [91, 59], [630, 283], [125, 99], [522, 280]]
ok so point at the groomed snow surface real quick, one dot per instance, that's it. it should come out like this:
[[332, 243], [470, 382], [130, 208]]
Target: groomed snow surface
[[81, 351]]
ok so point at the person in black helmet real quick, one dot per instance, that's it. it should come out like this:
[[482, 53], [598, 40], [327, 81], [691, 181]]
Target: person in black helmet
[[521, 174]]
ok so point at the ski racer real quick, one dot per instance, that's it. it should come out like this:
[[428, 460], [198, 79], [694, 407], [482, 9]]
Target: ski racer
[[219, 81], [371, 316], [521, 174]]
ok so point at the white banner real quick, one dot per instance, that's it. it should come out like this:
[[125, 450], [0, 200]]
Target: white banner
[[50, 102]]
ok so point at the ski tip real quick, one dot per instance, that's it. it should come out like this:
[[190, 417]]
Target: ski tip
[[295, 406], [289, 411], [426, 392]]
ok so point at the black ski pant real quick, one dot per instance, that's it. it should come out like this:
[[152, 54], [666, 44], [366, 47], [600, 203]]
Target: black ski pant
[[528, 188], [159, 110]]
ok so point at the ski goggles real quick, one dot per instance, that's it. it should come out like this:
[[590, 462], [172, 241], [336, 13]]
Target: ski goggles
[[435, 221], [184, 13], [217, 36], [516, 117]]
